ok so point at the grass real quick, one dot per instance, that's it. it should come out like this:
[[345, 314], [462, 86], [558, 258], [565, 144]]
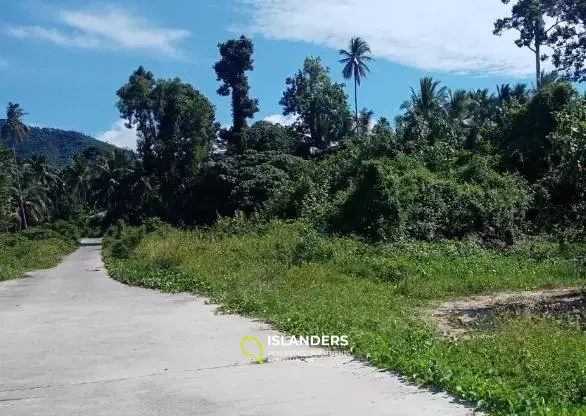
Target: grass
[[20, 254], [305, 284]]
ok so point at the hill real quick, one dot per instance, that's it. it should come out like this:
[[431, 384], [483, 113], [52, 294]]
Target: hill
[[57, 145]]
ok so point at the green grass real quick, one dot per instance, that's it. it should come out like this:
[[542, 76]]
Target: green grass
[[305, 284], [19, 254]]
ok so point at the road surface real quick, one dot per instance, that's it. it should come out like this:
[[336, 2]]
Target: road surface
[[75, 342]]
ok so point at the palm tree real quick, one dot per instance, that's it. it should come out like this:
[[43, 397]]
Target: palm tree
[[42, 171], [426, 112], [15, 131], [354, 61], [430, 96], [32, 196], [504, 93], [77, 177]]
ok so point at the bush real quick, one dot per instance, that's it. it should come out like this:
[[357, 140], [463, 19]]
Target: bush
[[121, 239], [313, 249], [390, 200], [69, 230], [40, 234]]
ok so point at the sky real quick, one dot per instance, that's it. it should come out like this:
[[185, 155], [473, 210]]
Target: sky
[[63, 60]]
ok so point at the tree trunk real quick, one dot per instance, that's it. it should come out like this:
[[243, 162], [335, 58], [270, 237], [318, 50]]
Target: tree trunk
[[20, 202], [356, 102], [538, 63]]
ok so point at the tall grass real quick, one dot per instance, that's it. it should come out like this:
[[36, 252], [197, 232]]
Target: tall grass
[[306, 284], [33, 250]]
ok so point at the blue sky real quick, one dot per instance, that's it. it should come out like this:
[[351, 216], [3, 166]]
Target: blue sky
[[63, 60]]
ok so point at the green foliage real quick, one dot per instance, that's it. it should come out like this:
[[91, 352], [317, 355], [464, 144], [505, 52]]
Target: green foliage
[[264, 136], [231, 70], [6, 213], [176, 130], [250, 182], [304, 283], [560, 193], [406, 199], [34, 249], [526, 137], [320, 104]]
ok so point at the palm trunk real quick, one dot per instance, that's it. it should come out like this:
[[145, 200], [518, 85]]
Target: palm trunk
[[356, 102], [20, 202]]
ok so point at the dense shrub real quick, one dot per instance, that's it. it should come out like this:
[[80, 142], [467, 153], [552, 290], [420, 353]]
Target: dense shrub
[[121, 239], [69, 230], [398, 198], [39, 234]]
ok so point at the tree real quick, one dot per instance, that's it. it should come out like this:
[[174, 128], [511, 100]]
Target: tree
[[525, 141], [231, 70], [528, 17], [16, 131], [32, 196], [354, 61], [77, 177], [320, 105], [425, 114], [44, 173], [175, 123], [136, 106], [266, 136], [569, 40]]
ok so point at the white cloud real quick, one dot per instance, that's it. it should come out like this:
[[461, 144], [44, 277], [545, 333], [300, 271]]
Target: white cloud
[[450, 35], [119, 135], [280, 119], [109, 28], [53, 35]]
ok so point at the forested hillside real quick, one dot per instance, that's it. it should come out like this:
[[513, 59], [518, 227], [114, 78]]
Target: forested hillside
[[56, 145]]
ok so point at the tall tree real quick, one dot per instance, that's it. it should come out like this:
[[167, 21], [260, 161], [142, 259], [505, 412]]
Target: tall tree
[[528, 17], [569, 39], [354, 61], [136, 106], [231, 70], [320, 105], [175, 123], [16, 131]]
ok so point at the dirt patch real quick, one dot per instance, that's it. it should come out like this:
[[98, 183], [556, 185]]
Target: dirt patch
[[459, 318]]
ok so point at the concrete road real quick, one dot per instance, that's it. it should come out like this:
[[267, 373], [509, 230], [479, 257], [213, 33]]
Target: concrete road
[[75, 342]]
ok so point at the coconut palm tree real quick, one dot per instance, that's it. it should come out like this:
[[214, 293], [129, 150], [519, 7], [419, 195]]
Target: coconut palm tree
[[15, 131], [354, 61], [504, 93], [77, 177], [425, 113], [430, 97], [42, 171], [31, 195]]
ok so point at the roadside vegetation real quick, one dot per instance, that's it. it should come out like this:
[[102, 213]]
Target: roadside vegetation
[[36, 248], [305, 284]]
